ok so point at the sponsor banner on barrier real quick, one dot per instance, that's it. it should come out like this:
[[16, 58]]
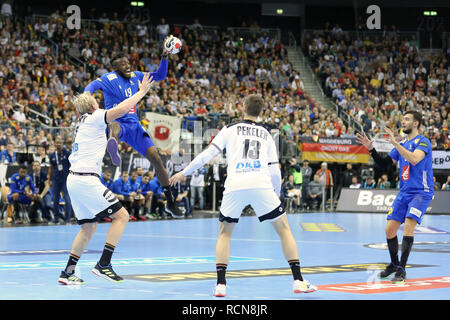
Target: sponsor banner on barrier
[[441, 159], [164, 130], [333, 150], [380, 200]]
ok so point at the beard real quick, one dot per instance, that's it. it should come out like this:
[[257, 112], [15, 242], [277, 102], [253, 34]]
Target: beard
[[407, 131]]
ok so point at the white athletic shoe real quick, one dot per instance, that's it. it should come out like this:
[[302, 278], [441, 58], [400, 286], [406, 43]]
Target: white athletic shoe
[[220, 290], [303, 286]]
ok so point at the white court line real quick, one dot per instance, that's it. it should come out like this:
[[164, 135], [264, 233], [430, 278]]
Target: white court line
[[201, 238]]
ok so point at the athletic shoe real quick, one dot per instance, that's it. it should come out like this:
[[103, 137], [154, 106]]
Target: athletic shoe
[[174, 211], [106, 219], [106, 273], [69, 279], [133, 218], [220, 290], [303, 286], [399, 277], [390, 269], [113, 149], [142, 218]]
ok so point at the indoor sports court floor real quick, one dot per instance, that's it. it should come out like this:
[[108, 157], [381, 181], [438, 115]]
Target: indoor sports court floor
[[174, 259]]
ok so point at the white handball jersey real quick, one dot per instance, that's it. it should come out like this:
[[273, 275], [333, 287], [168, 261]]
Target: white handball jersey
[[89, 143], [250, 149]]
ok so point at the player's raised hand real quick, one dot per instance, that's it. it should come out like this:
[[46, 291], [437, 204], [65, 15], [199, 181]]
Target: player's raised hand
[[146, 83], [391, 136], [364, 140], [177, 177], [165, 52]]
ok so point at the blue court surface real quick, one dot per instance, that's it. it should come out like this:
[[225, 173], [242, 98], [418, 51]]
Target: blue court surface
[[341, 253]]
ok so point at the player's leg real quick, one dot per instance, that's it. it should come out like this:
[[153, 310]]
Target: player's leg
[[112, 145], [290, 251], [140, 140], [417, 206], [395, 217], [76, 187], [103, 268], [13, 201], [119, 222], [223, 249], [161, 173], [267, 207], [230, 211], [407, 242], [80, 243]]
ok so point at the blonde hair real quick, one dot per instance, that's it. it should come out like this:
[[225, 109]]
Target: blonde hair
[[83, 102]]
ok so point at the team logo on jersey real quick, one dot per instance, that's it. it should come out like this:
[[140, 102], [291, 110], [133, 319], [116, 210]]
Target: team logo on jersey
[[405, 173], [390, 211], [416, 141], [111, 76], [162, 132], [248, 165]]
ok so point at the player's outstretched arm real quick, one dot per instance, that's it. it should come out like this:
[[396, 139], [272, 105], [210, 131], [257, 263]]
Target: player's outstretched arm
[[125, 106], [161, 73], [197, 163], [93, 86]]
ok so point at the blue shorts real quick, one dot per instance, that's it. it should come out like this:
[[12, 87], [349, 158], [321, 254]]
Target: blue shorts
[[409, 205], [22, 199], [134, 134]]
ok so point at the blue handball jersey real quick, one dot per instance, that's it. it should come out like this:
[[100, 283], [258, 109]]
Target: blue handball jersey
[[117, 89], [419, 177]]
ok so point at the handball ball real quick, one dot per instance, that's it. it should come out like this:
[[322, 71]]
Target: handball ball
[[173, 45]]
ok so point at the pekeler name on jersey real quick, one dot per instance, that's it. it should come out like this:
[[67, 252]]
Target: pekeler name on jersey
[[252, 131]]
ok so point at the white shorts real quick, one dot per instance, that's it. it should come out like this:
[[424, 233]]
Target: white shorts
[[91, 200], [265, 203]]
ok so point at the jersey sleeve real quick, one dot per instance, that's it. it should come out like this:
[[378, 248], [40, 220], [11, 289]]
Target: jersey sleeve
[[95, 85], [220, 141], [161, 73], [272, 154], [98, 118], [424, 145], [31, 184], [139, 75], [394, 154], [13, 186]]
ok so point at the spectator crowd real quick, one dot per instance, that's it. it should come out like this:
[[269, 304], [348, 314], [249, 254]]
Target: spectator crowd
[[376, 78]]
